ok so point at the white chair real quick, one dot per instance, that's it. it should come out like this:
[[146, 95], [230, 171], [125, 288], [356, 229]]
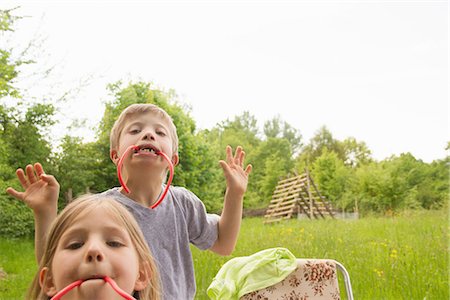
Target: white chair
[[313, 279]]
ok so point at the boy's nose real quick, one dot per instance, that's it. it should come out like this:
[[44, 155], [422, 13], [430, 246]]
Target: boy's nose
[[148, 135]]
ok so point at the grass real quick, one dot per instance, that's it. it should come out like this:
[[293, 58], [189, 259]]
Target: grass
[[18, 262], [402, 257]]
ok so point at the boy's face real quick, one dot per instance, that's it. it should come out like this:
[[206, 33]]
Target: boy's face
[[151, 134], [89, 250]]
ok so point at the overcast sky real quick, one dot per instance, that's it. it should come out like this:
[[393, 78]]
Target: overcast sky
[[373, 70]]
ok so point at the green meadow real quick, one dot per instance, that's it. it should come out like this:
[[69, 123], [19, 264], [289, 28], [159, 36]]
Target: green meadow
[[400, 257]]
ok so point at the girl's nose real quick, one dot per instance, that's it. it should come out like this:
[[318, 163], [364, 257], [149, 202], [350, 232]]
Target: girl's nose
[[94, 253]]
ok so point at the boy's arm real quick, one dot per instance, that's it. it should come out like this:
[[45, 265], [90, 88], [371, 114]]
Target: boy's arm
[[41, 195], [230, 220]]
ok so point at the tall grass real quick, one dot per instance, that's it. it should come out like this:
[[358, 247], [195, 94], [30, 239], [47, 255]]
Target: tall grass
[[18, 264], [402, 257]]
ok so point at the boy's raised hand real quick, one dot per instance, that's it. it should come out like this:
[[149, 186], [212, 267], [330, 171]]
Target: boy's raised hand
[[235, 174], [41, 191]]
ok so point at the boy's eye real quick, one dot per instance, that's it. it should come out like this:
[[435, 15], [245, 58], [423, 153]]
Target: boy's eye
[[161, 133], [114, 244], [134, 131], [74, 245]]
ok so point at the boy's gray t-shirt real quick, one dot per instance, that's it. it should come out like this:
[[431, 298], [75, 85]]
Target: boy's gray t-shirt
[[180, 219]]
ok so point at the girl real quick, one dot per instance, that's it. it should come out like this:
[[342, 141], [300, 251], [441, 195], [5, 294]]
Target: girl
[[95, 238]]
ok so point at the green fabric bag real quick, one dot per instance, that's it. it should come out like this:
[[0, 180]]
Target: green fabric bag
[[242, 275]]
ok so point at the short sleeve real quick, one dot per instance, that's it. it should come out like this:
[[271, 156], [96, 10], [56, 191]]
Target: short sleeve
[[202, 227]]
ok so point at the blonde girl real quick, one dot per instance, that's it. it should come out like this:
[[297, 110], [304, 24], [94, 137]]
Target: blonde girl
[[95, 238]]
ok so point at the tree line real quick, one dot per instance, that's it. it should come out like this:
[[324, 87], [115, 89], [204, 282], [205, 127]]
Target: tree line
[[344, 170]]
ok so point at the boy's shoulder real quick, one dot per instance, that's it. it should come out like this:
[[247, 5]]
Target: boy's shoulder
[[176, 193]]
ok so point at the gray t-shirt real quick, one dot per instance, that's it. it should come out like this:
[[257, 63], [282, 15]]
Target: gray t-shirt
[[178, 220]]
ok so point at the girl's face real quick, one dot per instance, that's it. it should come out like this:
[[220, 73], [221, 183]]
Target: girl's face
[[94, 246], [151, 133]]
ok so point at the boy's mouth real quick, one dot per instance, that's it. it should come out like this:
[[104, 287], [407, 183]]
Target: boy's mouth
[[146, 149]]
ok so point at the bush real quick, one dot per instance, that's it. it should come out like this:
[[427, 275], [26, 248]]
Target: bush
[[16, 219]]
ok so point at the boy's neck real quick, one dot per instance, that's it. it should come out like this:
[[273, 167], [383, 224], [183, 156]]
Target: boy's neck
[[145, 191]]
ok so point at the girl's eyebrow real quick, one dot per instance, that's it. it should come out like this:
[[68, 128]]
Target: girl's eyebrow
[[114, 230]]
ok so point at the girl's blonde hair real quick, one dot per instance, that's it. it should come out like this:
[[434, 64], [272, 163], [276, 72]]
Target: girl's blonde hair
[[81, 207], [136, 109]]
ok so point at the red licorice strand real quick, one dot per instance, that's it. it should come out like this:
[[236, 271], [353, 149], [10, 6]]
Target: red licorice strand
[[117, 289], [111, 282], [119, 167], [169, 181], [67, 289]]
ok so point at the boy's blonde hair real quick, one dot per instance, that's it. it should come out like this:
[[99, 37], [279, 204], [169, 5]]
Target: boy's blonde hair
[[81, 207], [139, 108]]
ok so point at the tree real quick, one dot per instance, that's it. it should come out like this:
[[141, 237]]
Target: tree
[[242, 130], [22, 134], [8, 67], [356, 153], [271, 160], [77, 166], [323, 139], [276, 128], [25, 134], [331, 176]]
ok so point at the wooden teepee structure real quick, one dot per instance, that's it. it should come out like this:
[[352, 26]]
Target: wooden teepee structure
[[294, 195]]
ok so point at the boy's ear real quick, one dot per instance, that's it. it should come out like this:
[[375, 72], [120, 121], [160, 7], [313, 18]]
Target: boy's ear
[[175, 159], [143, 278], [114, 157], [46, 282]]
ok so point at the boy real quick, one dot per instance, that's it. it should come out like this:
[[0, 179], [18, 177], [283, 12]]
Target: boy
[[179, 220]]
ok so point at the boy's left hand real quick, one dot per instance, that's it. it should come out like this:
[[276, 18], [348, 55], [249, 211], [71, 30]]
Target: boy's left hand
[[233, 169]]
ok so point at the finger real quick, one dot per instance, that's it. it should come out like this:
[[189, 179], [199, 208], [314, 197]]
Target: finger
[[224, 166], [237, 155], [229, 154], [14, 193], [30, 174], [51, 180], [242, 158], [248, 169], [22, 179], [39, 169]]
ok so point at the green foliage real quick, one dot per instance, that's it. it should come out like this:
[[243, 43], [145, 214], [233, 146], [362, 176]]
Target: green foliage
[[272, 160], [243, 131], [399, 183], [331, 176], [78, 166], [355, 153], [276, 128], [24, 133], [9, 66], [16, 219]]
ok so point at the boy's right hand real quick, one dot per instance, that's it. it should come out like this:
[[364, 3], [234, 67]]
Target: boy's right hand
[[41, 191]]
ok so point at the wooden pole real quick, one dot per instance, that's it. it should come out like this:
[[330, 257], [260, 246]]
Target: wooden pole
[[309, 195]]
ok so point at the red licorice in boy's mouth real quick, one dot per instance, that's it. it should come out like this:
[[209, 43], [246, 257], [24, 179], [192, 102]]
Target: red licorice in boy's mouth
[[157, 152]]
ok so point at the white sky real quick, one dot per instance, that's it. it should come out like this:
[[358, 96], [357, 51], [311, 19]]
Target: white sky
[[373, 70]]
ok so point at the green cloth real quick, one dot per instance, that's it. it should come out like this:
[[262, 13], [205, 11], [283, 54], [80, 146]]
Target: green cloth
[[242, 275]]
